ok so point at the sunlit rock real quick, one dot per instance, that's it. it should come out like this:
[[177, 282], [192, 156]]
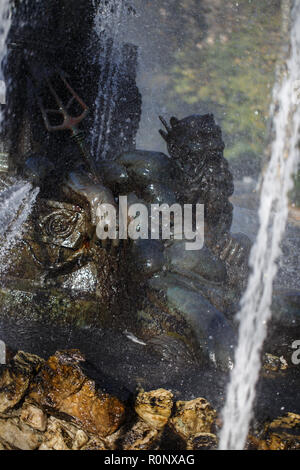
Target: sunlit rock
[[80, 440], [95, 444], [193, 417], [154, 407], [274, 363], [61, 386], [34, 417], [282, 434], [62, 410], [141, 436], [15, 379], [202, 441], [60, 435], [17, 435]]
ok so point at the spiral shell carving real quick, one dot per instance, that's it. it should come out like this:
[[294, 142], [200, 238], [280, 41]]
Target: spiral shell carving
[[60, 224]]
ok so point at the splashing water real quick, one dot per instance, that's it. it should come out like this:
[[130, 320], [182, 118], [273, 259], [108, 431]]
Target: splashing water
[[107, 26], [16, 202], [256, 303], [5, 22], [16, 197]]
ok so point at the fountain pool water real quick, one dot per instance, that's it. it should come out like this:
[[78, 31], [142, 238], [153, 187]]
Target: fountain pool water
[[273, 213]]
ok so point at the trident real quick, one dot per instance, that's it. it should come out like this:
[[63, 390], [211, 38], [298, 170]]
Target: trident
[[69, 122]]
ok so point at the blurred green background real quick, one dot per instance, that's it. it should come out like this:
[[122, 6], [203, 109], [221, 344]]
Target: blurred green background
[[216, 56]]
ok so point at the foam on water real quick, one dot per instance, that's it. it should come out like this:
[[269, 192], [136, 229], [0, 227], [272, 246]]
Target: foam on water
[[273, 213]]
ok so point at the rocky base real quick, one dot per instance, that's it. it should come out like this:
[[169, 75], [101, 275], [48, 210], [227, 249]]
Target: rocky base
[[53, 405]]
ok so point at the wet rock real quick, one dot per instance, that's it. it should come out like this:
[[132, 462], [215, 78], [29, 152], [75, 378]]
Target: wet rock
[[202, 441], [154, 407], [15, 379], [95, 444], [81, 439], [140, 437], [17, 435], [34, 417], [2, 447], [60, 435], [62, 387], [62, 410], [282, 434], [172, 349], [193, 418], [274, 363]]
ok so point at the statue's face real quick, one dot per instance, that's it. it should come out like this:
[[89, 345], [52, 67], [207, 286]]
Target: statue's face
[[193, 136]]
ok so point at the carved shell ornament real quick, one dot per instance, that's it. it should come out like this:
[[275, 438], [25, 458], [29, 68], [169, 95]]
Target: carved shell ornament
[[60, 224]]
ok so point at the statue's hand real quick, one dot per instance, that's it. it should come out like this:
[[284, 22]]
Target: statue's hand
[[83, 191], [234, 249]]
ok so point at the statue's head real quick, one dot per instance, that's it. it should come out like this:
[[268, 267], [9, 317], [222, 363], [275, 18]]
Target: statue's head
[[192, 136], [196, 145]]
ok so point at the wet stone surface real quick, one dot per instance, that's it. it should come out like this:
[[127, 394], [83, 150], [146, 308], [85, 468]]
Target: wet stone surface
[[63, 409]]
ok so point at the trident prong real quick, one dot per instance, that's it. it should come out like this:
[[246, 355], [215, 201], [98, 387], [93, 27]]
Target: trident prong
[[69, 122]]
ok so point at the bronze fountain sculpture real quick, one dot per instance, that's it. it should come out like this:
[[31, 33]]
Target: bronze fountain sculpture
[[176, 302]]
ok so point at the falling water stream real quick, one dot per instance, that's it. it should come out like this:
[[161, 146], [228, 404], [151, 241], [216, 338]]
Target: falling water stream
[[273, 213], [5, 25], [16, 196], [5, 21], [107, 25], [16, 201]]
